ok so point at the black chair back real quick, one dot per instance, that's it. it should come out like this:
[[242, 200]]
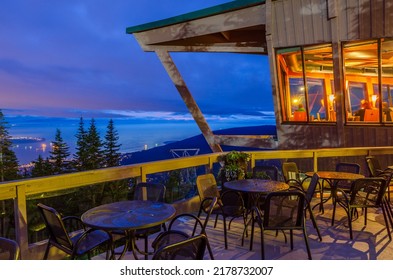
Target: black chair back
[[282, 211], [55, 227], [178, 229], [269, 172], [309, 194], [192, 248], [348, 167], [9, 249], [277, 216], [150, 191], [367, 192], [79, 243]]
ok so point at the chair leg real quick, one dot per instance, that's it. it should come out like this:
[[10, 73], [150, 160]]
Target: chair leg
[[334, 210], [47, 251], [314, 222], [225, 232], [196, 224], [245, 223], [365, 216], [350, 211], [291, 238], [252, 232], [389, 212], [146, 247], [306, 241], [210, 250], [262, 244], [215, 222], [386, 220]]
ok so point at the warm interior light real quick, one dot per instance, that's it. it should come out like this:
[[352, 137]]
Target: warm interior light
[[331, 98], [374, 99]]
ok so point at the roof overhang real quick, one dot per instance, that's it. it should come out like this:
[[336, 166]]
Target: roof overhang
[[237, 26]]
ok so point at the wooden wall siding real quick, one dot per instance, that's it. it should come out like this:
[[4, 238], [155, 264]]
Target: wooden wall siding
[[324, 136], [306, 136], [299, 22], [364, 19], [368, 136], [388, 17]]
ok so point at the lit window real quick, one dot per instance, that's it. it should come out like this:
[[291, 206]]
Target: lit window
[[361, 72], [305, 83]]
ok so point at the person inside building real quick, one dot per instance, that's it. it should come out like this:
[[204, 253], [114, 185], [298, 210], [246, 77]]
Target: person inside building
[[301, 108], [386, 112], [364, 105]]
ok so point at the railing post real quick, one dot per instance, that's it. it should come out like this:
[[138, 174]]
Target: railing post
[[252, 162], [143, 175], [20, 216], [315, 161]]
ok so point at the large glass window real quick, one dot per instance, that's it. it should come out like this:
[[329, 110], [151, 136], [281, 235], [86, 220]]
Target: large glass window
[[305, 81], [387, 79], [361, 72]]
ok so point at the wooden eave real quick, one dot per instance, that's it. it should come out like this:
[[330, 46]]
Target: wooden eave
[[241, 30], [234, 27]]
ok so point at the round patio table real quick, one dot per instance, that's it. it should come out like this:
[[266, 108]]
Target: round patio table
[[255, 189], [332, 178], [128, 216]]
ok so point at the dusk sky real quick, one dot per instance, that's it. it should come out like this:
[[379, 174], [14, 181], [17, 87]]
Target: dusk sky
[[73, 58]]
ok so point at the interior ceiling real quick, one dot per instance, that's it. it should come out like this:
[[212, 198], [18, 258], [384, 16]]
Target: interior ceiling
[[356, 58]]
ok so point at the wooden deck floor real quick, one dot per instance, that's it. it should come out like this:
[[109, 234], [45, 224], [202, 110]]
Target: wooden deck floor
[[370, 242]]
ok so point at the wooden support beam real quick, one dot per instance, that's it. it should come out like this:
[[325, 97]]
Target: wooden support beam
[[186, 95]]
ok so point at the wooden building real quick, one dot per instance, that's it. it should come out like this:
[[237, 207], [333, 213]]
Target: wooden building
[[331, 65]]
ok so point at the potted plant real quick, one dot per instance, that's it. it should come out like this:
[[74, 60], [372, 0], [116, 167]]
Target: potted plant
[[234, 165]]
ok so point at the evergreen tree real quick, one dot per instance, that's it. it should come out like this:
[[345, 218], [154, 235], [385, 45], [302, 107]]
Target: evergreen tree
[[94, 145], [59, 154], [80, 157], [41, 167], [111, 146], [8, 161]]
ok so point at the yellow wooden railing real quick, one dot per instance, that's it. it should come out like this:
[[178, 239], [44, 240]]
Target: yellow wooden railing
[[19, 190]]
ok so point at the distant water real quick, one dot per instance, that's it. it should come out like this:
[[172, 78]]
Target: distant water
[[134, 135]]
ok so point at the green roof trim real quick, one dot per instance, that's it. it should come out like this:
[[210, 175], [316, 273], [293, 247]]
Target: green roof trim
[[234, 5]]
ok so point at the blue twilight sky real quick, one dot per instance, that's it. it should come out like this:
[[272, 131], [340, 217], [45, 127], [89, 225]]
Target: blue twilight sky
[[72, 58]]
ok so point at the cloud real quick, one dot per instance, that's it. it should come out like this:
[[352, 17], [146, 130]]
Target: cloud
[[161, 115]]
